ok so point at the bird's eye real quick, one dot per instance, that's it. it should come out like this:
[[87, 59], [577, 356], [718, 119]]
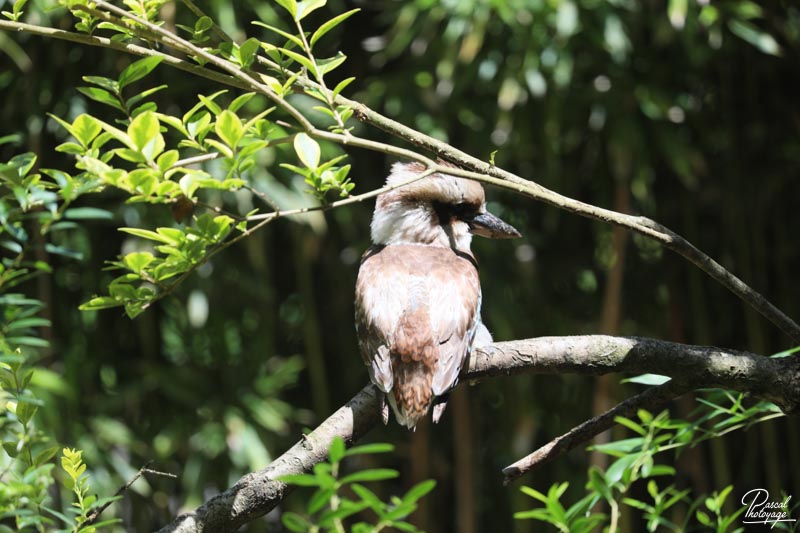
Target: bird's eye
[[461, 210], [464, 210]]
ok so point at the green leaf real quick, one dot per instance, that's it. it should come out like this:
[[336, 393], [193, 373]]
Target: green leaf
[[368, 497], [25, 411], [630, 424], [372, 474], [133, 100], [166, 160], [208, 101], [25, 323], [677, 12], [229, 128], [247, 51], [294, 522], [303, 60], [70, 148], [332, 23], [100, 302], [85, 128], [307, 150], [143, 130], [105, 83], [290, 6], [533, 493], [45, 455], [241, 100], [753, 35], [337, 449], [319, 499], [327, 65], [341, 86], [288, 36], [11, 448], [138, 70], [147, 234], [103, 96], [378, 447], [305, 7], [618, 468], [138, 261], [204, 24], [87, 213], [419, 490], [60, 250]]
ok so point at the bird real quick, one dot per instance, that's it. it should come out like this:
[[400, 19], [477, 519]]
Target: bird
[[418, 294]]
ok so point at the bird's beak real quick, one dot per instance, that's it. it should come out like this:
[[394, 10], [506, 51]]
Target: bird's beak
[[487, 225]]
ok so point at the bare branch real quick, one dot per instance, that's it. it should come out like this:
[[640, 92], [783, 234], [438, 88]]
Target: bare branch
[[777, 380], [651, 399], [94, 515]]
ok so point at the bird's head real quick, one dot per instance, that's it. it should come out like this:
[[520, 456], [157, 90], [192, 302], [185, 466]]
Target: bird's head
[[440, 210]]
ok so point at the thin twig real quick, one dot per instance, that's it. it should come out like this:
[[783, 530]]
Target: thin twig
[[651, 399], [93, 40], [221, 35], [349, 200], [195, 160], [94, 515]]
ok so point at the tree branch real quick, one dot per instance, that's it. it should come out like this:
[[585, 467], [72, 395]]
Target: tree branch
[[475, 168], [774, 379], [489, 173], [651, 399]]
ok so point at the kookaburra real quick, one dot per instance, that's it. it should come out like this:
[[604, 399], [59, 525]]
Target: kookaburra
[[418, 295]]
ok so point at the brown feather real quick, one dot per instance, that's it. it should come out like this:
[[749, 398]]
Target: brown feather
[[420, 302]]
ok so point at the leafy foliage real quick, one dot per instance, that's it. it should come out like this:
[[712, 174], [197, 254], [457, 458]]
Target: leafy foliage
[[338, 497], [579, 95], [634, 461]]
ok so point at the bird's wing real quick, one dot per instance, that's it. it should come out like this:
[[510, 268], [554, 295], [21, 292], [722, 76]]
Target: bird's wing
[[455, 299], [379, 305]]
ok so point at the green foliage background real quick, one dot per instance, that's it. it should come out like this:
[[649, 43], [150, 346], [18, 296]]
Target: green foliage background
[[682, 111]]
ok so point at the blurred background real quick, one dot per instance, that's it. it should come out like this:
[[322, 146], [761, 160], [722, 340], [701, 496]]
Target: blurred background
[[684, 111]]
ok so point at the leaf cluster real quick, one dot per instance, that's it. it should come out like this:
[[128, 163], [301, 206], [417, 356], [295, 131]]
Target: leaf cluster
[[337, 497], [635, 460]]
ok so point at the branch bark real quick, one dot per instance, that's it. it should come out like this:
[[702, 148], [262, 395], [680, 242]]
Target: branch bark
[[691, 367]]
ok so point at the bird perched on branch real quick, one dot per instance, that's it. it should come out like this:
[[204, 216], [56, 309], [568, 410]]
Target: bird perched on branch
[[418, 295]]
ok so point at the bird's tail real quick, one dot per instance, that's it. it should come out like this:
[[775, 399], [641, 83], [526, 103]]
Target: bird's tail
[[414, 356], [411, 394]]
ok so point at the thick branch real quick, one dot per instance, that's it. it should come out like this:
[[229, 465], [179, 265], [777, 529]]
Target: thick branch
[[777, 380]]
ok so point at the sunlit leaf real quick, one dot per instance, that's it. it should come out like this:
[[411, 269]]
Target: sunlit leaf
[[305, 7], [138, 70], [753, 35], [307, 149], [329, 25], [229, 128]]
